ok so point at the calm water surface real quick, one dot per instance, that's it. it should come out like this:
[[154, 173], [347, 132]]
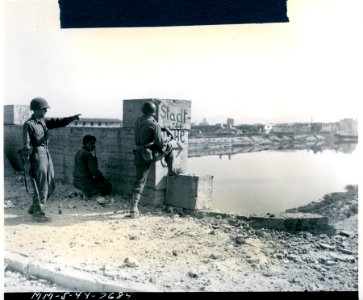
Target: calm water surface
[[273, 181]]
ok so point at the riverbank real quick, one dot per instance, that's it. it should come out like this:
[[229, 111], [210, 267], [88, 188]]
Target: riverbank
[[173, 251], [217, 145]]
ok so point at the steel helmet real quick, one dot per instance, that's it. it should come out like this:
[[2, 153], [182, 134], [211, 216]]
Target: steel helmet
[[149, 108], [38, 103]]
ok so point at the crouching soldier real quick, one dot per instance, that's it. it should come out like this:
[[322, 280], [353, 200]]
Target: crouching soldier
[[86, 175], [37, 157], [149, 142]]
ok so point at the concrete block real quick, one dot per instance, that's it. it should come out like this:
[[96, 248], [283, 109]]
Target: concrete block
[[190, 192], [156, 178], [131, 111], [292, 222], [16, 114]]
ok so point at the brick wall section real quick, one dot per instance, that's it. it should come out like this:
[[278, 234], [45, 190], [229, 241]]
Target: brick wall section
[[114, 151]]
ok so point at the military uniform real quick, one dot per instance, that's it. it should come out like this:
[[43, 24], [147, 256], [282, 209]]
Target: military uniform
[[35, 147], [148, 132], [86, 175]]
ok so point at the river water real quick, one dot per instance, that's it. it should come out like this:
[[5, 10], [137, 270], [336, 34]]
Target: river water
[[272, 181]]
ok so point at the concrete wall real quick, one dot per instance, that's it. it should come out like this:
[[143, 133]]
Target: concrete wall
[[114, 152], [114, 146]]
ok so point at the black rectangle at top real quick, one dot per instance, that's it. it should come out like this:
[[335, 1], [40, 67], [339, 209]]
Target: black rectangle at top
[[155, 13]]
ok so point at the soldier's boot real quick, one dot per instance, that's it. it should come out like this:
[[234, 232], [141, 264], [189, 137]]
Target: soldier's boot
[[134, 207], [31, 209], [41, 218], [37, 211], [39, 215], [169, 163]]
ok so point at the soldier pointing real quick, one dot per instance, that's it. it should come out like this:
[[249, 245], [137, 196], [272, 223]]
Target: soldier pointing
[[37, 157]]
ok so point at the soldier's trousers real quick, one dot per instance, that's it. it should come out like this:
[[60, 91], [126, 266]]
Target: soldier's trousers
[[42, 176], [143, 168]]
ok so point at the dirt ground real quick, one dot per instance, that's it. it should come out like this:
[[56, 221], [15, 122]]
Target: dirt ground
[[178, 252]]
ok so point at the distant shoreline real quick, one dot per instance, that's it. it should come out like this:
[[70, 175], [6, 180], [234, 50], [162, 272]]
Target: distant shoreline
[[229, 144]]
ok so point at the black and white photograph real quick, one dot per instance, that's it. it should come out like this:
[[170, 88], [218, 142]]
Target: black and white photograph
[[181, 158]]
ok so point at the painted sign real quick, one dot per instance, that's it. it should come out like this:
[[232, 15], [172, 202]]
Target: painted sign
[[179, 117], [174, 114]]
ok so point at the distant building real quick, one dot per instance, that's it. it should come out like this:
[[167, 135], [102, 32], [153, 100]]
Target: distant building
[[227, 131], [251, 129], [230, 122], [204, 122], [283, 128], [302, 127], [291, 128], [330, 128], [316, 128], [267, 128], [203, 130], [348, 126], [97, 122]]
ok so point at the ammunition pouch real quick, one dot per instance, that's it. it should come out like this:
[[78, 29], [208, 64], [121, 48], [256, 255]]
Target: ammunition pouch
[[147, 155]]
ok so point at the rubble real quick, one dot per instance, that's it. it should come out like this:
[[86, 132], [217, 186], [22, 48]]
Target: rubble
[[210, 251]]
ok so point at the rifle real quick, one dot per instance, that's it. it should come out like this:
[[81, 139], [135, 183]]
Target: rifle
[[34, 183]]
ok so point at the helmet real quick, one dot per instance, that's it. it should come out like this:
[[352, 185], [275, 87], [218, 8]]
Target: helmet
[[149, 108], [38, 103]]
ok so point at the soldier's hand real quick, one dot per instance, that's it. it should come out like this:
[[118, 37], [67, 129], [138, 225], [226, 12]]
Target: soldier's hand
[[169, 133], [75, 117], [169, 147]]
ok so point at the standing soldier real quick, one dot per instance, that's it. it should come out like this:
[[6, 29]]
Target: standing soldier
[[37, 157], [149, 141]]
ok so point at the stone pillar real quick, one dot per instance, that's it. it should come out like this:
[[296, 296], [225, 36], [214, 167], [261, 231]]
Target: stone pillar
[[175, 115], [14, 118], [16, 114]]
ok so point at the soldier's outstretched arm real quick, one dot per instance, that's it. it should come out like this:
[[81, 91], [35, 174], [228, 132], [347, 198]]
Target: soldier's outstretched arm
[[56, 123]]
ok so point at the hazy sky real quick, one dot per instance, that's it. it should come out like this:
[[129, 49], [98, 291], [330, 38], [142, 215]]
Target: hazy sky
[[308, 68]]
